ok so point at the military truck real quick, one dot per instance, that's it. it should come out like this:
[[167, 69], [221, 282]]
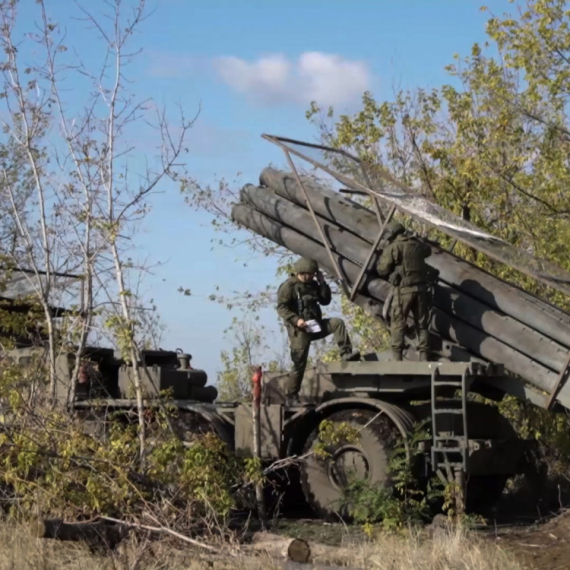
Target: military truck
[[488, 337]]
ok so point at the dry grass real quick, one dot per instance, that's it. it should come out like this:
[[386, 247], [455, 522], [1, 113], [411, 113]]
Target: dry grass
[[447, 550]]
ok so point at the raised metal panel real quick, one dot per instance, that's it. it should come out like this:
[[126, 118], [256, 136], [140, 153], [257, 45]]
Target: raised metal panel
[[271, 430], [150, 382]]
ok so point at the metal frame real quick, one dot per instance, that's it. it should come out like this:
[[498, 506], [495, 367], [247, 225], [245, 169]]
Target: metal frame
[[371, 253], [463, 440], [560, 382], [315, 219], [351, 292]]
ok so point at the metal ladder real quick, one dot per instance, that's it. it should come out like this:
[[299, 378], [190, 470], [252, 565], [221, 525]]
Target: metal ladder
[[449, 449]]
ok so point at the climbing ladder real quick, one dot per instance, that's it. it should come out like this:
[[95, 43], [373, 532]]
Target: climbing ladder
[[450, 448]]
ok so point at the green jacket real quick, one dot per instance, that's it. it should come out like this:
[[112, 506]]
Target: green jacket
[[297, 300], [403, 262]]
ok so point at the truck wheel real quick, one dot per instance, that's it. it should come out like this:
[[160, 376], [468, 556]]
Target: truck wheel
[[484, 492], [323, 479], [484, 422]]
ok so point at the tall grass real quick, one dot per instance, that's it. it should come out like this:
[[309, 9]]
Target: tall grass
[[448, 549]]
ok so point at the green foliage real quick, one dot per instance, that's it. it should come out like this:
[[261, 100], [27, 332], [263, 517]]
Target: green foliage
[[22, 320], [550, 431], [235, 379], [332, 434], [405, 503], [124, 334], [493, 149], [254, 470], [51, 466]]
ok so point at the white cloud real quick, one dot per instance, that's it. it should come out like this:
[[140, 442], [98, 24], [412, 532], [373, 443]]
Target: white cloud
[[326, 78]]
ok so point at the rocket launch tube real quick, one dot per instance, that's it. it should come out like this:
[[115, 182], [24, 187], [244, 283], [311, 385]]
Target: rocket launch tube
[[451, 301], [448, 327], [535, 313]]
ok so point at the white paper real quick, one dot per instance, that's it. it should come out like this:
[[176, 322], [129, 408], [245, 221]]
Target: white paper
[[313, 326]]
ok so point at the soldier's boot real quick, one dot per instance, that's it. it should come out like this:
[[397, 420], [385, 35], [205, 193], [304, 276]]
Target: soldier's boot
[[350, 355], [292, 400], [338, 329], [424, 356], [292, 388], [397, 355]]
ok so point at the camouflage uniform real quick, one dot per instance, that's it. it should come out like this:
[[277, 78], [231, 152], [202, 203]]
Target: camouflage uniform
[[403, 261], [298, 300]]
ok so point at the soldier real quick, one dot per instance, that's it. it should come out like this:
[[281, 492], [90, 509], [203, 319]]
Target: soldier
[[403, 262], [298, 301]]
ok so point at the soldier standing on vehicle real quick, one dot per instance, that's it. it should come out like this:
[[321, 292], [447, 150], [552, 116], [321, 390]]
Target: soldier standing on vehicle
[[403, 262], [298, 304]]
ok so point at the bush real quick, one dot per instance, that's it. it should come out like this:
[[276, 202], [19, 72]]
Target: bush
[[405, 504], [50, 466]]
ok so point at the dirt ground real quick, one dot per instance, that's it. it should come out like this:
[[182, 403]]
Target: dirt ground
[[522, 544], [446, 550], [544, 545]]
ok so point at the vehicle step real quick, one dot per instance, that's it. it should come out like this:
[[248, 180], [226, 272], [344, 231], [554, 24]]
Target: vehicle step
[[445, 464], [448, 449], [447, 383], [448, 411], [449, 438]]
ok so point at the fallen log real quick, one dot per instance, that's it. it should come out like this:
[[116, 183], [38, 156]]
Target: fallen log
[[300, 566], [166, 530], [335, 554], [294, 549], [98, 532]]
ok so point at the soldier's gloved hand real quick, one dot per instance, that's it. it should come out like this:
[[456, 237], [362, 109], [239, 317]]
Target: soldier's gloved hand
[[395, 277], [301, 324], [320, 277]]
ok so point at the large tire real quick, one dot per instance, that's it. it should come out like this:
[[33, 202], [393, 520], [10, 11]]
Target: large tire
[[323, 480], [483, 492], [486, 422]]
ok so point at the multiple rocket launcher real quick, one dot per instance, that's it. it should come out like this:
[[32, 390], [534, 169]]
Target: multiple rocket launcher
[[487, 317]]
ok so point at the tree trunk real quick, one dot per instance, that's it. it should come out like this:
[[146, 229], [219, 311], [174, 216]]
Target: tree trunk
[[92, 532], [295, 549]]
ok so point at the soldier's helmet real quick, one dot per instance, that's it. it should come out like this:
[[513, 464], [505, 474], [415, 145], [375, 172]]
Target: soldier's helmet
[[304, 265], [393, 229]]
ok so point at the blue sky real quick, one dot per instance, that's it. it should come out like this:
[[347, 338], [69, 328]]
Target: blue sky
[[253, 66]]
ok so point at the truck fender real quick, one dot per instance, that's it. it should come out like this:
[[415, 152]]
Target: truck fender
[[401, 418], [221, 427]]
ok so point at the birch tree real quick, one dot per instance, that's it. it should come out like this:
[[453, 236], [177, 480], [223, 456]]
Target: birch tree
[[79, 195]]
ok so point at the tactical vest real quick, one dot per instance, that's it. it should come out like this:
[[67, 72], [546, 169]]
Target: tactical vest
[[307, 301], [414, 267]]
